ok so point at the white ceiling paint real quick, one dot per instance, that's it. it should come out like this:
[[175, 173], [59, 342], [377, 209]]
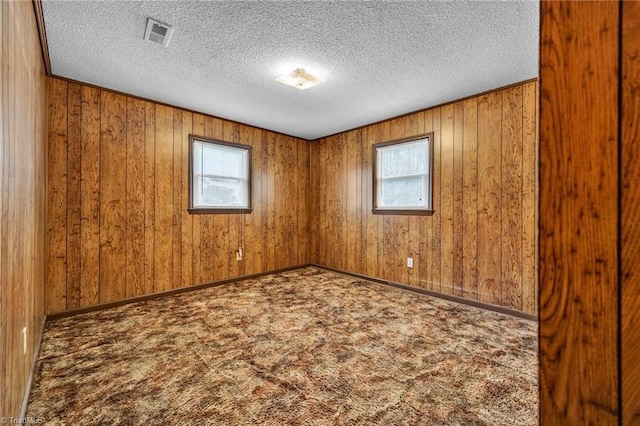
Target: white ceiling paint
[[378, 59]]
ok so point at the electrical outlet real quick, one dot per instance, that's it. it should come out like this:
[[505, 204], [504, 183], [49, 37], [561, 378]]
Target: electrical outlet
[[409, 262], [24, 340]]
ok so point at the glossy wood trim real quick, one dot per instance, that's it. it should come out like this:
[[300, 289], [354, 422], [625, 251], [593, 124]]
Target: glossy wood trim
[[449, 297], [219, 210], [374, 179], [579, 213], [101, 306], [42, 33]]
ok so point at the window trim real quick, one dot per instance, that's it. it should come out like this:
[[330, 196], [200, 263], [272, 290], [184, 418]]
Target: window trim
[[218, 210], [428, 211]]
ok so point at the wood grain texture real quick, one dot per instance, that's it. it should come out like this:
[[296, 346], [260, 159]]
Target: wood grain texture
[[90, 197], [512, 226], [489, 198], [56, 296], [529, 197], [470, 200], [136, 236], [630, 292], [113, 179], [23, 200], [458, 250], [134, 215], [74, 105], [578, 213]]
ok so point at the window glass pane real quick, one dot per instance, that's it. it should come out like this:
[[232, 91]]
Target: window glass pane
[[221, 176], [406, 192], [403, 159], [403, 176], [220, 192]]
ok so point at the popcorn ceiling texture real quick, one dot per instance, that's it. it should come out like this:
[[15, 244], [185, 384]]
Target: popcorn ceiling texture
[[379, 59]]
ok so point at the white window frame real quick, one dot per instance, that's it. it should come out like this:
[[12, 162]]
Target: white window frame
[[194, 207], [378, 181]]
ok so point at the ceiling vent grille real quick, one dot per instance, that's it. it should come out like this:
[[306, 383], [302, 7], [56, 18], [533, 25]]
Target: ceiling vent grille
[[158, 32]]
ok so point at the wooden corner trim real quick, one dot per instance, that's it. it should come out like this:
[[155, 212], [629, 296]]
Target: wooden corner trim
[[42, 33]]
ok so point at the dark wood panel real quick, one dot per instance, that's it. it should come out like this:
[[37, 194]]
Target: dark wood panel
[[512, 225], [459, 247], [470, 199], [74, 105], [163, 163], [149, 199], [113, 177], [135, 232], [457, 283], [489, 198], [530, 198], [578, 213], [131, 177], [56, 296], [90, 197], [631, 211]]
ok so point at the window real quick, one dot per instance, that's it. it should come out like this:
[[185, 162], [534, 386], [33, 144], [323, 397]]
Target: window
[[402, 176], [220, 176]]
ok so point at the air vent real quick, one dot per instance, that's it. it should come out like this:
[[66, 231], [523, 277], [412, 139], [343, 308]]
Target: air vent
[[158, 32]]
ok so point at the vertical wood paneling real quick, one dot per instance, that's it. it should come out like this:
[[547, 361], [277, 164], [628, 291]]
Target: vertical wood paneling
[[187, 219], [163, 232], [579, 213], [484, 170], [470, 199], [113, 175], [631, 211], [458, 208], [135, 269], [90, 197], [56, 295], [127, 161], [197, 248], [177, 198], [149, 199], [511, 238], [436, 242], [23, 208], [489, 199], [529, 198], [74, 105]]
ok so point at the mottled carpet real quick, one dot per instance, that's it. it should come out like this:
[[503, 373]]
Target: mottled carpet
[[305, 347]]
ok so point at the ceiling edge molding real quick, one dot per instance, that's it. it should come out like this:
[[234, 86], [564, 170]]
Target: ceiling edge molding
[[42, 32]]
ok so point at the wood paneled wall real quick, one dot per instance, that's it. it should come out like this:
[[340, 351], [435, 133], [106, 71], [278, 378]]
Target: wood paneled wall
[[630, 213], [589, 209], [22, 198], [481, 241], [118, 224]]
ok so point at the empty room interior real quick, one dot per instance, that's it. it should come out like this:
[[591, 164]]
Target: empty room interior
[[319, 212]]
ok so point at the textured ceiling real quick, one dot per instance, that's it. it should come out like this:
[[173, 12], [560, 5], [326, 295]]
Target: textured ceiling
[[379, 59]]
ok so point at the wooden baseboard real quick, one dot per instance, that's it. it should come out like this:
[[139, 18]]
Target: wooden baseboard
[[101, 306], [449, 297], [32, 372]]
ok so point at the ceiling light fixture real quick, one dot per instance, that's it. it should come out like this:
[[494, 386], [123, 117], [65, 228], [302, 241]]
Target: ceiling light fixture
[[300, 79]]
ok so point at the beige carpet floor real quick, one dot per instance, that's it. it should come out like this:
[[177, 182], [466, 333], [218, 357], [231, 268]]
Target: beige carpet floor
[[304, 347]]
